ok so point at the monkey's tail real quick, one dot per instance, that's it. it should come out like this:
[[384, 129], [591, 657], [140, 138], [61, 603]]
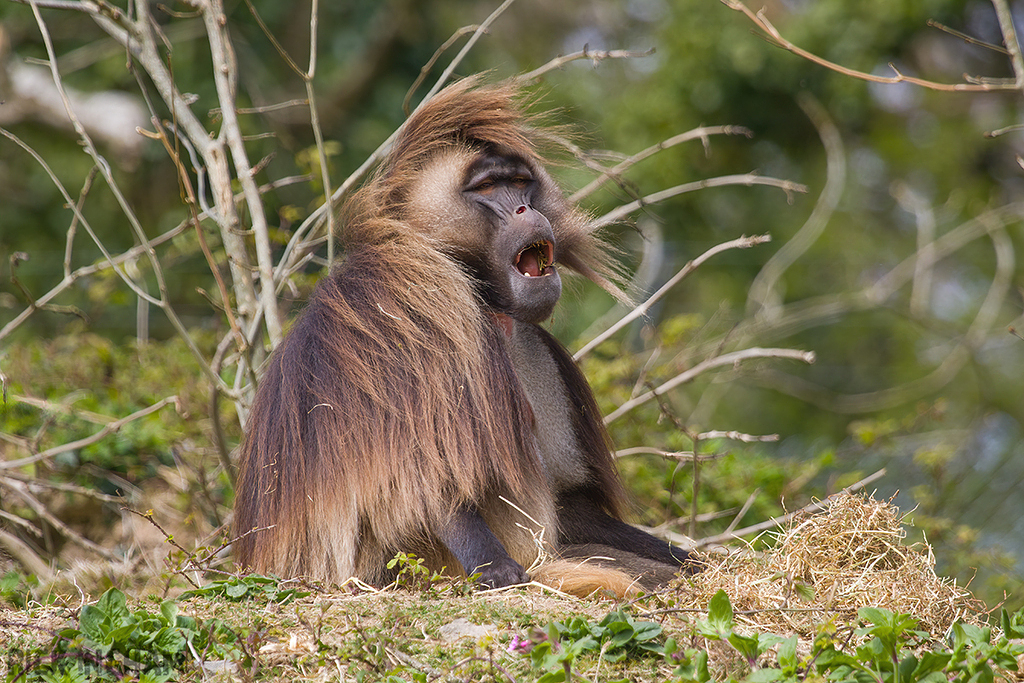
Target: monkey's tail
[[586, 577]]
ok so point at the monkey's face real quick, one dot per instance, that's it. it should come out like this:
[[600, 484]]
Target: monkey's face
[[496, 225]]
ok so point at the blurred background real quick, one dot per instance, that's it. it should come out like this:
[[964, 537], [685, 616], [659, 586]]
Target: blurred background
[[917, 369]]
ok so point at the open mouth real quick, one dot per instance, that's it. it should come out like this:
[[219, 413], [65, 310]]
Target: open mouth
[[536, 260]]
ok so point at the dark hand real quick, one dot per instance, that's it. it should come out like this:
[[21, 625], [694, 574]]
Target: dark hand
[[500, 573]]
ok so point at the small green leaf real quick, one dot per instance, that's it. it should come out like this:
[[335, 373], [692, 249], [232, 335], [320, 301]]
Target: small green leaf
[[169, 610], [720, 612], [90, 621], [788, 659], [236, 590], [764, 676], [700, 662], [875, 615], [647, 630], [113, 603]]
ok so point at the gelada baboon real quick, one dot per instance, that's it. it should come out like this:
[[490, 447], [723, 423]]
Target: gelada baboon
[[416, 405]]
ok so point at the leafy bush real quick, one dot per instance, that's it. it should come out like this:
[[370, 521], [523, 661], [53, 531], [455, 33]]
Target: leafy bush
[[252, 587], [887, 648], [112, 642], [617, 637]]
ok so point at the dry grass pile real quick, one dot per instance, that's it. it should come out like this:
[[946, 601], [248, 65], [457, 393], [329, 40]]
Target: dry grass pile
[[828, 565]]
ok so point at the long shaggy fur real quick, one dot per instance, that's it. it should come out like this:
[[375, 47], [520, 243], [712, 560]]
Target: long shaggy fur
[[393, 400]]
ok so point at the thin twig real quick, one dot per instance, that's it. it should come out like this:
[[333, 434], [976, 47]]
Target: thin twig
[[681, 456], [970, 40], [702, 133], [924, 215], [70, 237], [747, 179], [21, 489], [733, 358], [775, 522], [189, 556], [109, 428], [1005, 17], [594, 56], [743, 242], [762, 296], [738, 436], [425, 69], [189, 197], [743, 510], [772, 35]]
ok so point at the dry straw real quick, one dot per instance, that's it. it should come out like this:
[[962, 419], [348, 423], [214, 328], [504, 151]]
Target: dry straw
[[826, 566]]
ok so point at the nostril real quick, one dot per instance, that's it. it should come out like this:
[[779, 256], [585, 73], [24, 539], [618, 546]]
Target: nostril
[[521, 209]]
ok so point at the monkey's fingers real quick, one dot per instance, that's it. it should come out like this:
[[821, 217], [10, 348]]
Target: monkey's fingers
[[502, 572]]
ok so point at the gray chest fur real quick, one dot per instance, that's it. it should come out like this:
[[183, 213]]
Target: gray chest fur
[[552, 409]]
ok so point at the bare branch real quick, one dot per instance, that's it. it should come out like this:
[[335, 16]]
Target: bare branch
[[732, 358], [914, 203], [108, 429], [1005, 17], [225, 72], [595, 56], [942, 375], [773, 36], [121, 272], [457, 60], [738, 436], [970, 40], [775, 522], [763, 297], [21, 490], [425, 69], [703, 133], [748, 179], [641, 310], [815, 311], [24, 555]]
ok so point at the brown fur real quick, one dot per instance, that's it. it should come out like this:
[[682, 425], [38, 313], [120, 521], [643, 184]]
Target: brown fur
[[394, 399]]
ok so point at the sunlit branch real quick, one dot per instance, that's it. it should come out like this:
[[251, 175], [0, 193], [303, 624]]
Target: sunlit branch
[[641, 310], [703, 133], [732, 358], [594, 56], [106, 430], [747, 179], [773, 36]]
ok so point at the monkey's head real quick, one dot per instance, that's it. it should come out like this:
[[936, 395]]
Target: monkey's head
[[490, 210], [465, 174]]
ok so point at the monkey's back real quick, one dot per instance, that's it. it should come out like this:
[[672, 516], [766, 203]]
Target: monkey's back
[[386, 407]]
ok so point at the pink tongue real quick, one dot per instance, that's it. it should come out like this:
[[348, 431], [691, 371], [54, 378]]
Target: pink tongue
[[529, 263]]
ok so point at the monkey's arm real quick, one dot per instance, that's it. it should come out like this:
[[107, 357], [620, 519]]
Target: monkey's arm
[[475, 546]]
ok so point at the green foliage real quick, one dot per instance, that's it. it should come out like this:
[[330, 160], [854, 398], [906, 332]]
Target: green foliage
[[112, 642], [412, 572], [887, 649], [250, 587], [85, 375], [66, 389], [616, 637], [14, 589], [719, 626]]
